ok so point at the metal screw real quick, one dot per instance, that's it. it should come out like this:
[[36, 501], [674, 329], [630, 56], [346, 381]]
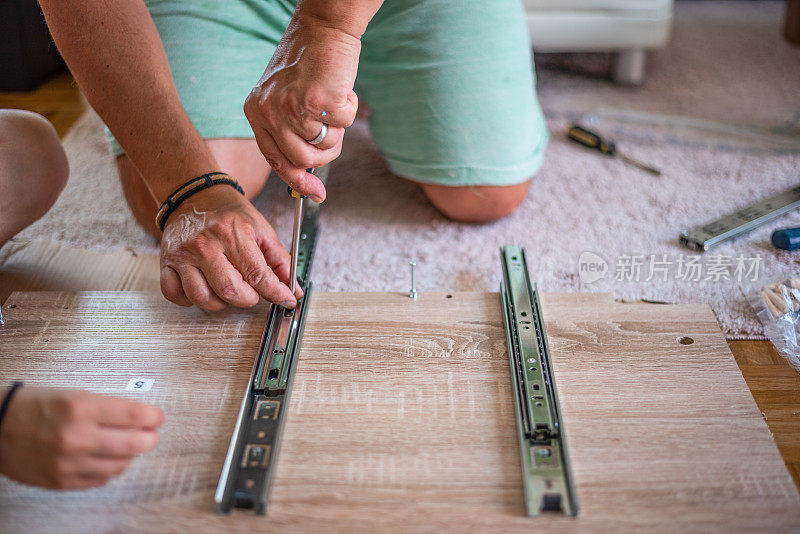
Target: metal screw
[[413, 293]]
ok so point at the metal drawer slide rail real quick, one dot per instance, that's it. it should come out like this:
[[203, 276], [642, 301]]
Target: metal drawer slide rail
[[545, 465], [252, 455]]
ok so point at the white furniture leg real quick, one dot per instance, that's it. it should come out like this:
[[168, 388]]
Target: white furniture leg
[[629, 66]]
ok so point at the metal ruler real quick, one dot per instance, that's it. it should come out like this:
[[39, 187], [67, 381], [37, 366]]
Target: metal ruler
[[252, 455], [545, 464], [704, 237]]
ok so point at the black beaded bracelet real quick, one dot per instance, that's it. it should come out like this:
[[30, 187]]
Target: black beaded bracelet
[[4, 407], [190, 188]]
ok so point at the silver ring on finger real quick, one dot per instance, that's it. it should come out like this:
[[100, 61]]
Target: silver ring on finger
[[321, 137]]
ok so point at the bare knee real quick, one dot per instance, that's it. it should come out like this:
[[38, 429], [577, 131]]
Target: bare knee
[[32, 151], [476, 204], [33, 169]]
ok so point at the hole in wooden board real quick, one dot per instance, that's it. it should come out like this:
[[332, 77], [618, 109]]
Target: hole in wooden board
[[536, 387], [524, 314], [449, 296], [532, 369], [13, 306], [539, 404], [685, 340]]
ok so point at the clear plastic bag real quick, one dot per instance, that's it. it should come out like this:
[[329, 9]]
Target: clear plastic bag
[[778, 307]]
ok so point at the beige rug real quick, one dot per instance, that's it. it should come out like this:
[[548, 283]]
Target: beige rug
[[726, 92]]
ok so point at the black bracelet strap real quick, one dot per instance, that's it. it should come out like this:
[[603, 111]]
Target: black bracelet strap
[[4, 407], [190, 188]]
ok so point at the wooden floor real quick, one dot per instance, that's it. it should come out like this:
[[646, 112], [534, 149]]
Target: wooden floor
[[58, 99], [403, 420], [776, 389], [773, 383]]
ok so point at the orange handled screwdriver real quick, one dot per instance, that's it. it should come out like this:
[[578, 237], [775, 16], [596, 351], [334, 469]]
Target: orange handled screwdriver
[[594, 141]]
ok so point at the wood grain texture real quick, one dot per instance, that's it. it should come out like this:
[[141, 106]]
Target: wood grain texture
[[402, 418], [49, 266], [40, 265]]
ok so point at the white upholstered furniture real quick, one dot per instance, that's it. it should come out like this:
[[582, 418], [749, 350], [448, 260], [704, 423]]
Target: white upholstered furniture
[[627, 27]]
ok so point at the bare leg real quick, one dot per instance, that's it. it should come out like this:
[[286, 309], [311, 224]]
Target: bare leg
[[33, 170], [476, 204], [240, 158]]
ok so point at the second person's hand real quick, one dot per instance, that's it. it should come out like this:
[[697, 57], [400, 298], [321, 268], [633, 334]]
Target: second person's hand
[[65, 439], [309, 81]]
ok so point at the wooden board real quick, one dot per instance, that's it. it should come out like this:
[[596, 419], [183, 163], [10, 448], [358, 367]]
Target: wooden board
[[48, 266], [401, 418]]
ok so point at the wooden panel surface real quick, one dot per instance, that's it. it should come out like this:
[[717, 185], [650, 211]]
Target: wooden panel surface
[[402, 418], [48, 266]]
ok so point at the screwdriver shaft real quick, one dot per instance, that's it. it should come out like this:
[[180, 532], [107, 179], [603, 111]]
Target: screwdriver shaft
[[639, 164], [298, 217], [298, 220]]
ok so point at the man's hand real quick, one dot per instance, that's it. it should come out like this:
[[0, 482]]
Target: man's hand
[[217, 249], [309, 81], [64, 439]]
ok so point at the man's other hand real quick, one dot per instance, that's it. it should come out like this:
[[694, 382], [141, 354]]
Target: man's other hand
[[64, 439], [309, 81], [217, 249]]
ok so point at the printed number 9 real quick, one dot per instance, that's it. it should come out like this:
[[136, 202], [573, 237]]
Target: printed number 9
[[138, 384]]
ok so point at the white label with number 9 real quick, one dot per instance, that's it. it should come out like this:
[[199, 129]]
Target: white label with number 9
[[140, 384]]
